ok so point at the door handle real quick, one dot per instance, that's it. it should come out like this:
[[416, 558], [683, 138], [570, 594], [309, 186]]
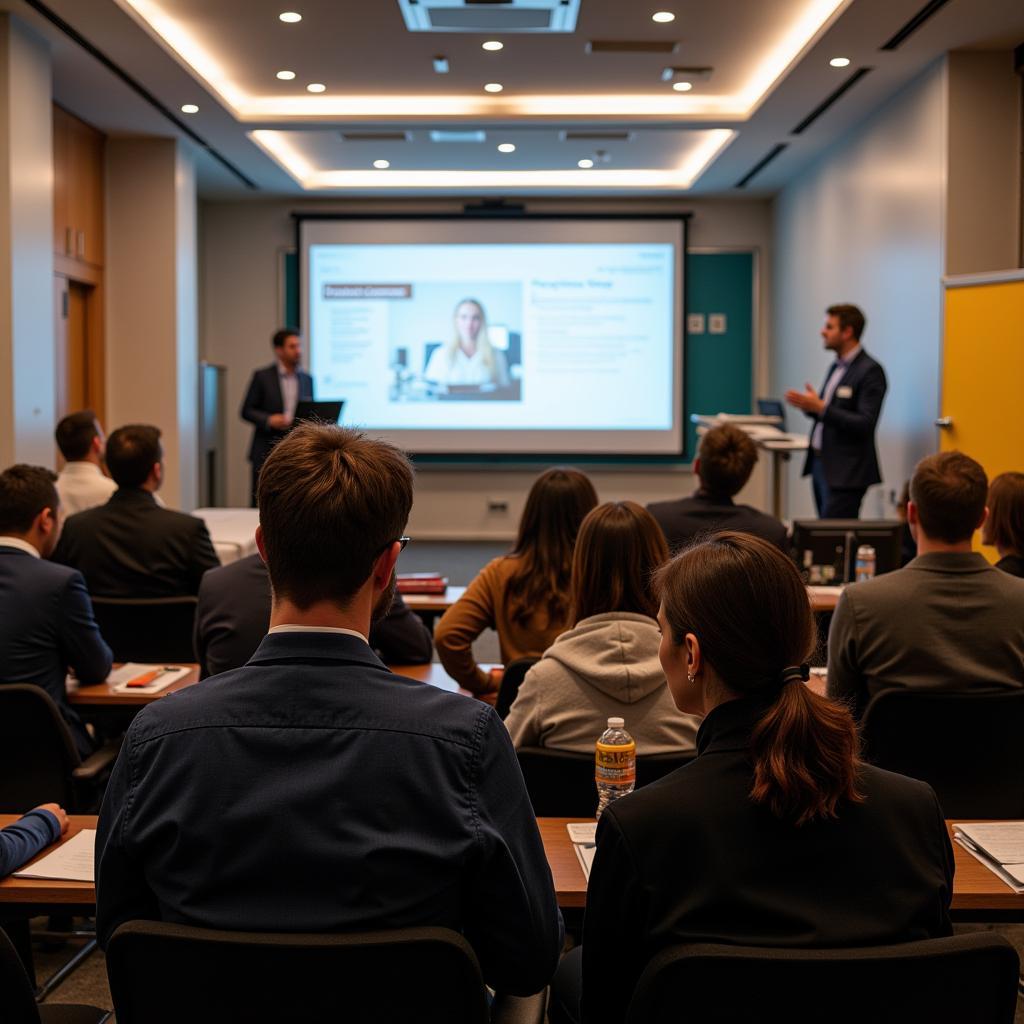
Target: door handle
[[944, 422]]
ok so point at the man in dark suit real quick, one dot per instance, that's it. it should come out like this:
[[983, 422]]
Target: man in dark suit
[[234, 612], [46, 619], [313, 790], [725, 459], [272, 397], [842, 460], [131, 546]]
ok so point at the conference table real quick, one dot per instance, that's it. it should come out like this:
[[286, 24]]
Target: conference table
[[977, 893], [232, 530]]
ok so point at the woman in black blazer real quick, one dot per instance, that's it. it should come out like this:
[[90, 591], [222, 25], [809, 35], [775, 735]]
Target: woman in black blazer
[[1004, 526], [777, 834]]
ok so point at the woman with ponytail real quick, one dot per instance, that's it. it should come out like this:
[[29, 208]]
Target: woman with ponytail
[[777, 834]]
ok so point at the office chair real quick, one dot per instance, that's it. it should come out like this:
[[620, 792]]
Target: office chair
[[511, 679], [155, 629], [561, 782], [966, 746], [964, 977], [162, 973]]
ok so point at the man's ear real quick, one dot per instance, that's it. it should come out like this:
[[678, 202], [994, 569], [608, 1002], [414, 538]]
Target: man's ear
[[261, 544], [384, 566]]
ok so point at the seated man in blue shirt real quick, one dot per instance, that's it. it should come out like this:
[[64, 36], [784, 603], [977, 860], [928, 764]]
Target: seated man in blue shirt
[[312, 790]]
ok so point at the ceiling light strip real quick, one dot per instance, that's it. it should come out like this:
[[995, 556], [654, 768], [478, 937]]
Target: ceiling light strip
[[829, 100]]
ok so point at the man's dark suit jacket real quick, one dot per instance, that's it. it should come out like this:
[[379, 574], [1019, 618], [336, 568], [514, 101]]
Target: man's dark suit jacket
[[131, 547], [234, 614], [684, 520], [848, 453], [691, 858], [315, 791], [263, 400], [47, 627]]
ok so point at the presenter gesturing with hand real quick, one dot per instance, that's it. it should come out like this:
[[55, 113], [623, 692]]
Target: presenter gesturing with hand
[[841, 460]]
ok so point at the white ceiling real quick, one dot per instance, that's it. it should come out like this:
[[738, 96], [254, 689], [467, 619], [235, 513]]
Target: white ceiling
[[770, 61]]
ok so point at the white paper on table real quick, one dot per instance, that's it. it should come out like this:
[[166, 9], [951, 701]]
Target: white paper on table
[[584, 836], [71, 862], [585, 854], [1001, 871], [118, 679]]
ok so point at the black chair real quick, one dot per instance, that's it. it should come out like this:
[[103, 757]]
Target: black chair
[[155, 629], [18, 1004], [162, 973], [966, 746], [561, 782], [511, 679], [970, 977]]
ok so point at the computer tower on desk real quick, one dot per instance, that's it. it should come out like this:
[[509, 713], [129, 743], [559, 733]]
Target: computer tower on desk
[[832, 544]]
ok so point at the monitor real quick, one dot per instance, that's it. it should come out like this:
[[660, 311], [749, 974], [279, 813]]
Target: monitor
[[772, 407], [834, 542]]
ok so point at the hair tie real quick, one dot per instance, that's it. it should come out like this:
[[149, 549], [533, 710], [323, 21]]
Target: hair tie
[[793, 673]]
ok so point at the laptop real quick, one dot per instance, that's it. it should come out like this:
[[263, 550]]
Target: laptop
[[772, 407], [319, 412]]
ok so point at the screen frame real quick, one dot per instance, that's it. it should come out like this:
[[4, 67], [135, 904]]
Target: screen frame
[[514, 460]]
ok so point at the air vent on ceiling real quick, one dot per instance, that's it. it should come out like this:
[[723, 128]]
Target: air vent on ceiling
[[375, 136], [761, 164], [632, 46], [930, 8], [455, 135], [686, 74], [490, 15], [831, 98], [583, 135]]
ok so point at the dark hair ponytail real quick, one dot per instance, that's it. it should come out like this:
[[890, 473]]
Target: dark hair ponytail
[[747, 606]]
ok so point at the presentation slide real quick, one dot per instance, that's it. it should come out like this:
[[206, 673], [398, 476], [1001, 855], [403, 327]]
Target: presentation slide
[[546, 337]]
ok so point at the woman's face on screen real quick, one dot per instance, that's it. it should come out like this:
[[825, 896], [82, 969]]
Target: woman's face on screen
[[469, 318]]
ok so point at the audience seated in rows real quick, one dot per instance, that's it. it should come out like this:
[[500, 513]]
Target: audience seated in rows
[[131, 547], [523, 595], [46, 618], [1004, 526], [777, 834], [949, 620], [607, 664], [725, 459], [31, 833], [234, 611], [313, 790], [82, 483]]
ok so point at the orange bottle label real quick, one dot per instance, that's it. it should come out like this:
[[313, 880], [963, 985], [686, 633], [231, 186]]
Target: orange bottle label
[[618, 760]]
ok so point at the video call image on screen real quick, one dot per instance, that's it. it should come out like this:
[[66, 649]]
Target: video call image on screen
[[449, 340]]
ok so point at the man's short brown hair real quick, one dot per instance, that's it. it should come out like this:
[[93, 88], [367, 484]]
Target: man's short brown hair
[[1004, 527], [727, 458], [848, 316], [330, 500], [949, 491], [24, 492], [132, 452]]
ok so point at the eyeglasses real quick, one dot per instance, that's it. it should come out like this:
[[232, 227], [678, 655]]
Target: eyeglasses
[[401, 540]]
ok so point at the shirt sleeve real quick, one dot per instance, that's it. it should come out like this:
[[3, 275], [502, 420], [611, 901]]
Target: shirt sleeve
[[845, 681], [513, 921], [460, 626], [25, 838], [81, 645]]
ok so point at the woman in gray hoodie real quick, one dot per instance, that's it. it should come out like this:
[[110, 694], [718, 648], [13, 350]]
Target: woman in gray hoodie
[[607, 664]]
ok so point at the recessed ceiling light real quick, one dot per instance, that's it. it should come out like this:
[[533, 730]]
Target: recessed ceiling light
[[189, 108], [585, 164], [382, 165], [682, 86], [493, 45], [286, 76], [663, 17], [506, 147], [316, 87], [290, 17], [493, 87], [840, 62]]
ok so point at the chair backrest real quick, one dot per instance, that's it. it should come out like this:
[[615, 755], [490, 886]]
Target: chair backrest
[[964, 977], [16, 996], [511, 679], [561, 782], [966, 746], [162, 973], [149, 630], [37, 753]]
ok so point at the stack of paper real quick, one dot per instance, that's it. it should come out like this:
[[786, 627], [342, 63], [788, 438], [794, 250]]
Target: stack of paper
[[70, 862], [999, 845], [162, 677], [584, 841]]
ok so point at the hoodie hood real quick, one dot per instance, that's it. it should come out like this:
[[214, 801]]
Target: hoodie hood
[[616, 653]]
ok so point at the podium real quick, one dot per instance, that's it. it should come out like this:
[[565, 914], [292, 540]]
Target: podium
[[765, 432]]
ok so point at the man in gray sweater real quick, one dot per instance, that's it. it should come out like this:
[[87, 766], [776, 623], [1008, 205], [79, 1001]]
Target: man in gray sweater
[[948, 620]]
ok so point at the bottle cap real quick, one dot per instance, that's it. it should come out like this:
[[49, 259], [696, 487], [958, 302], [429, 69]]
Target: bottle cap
[[616, 723]]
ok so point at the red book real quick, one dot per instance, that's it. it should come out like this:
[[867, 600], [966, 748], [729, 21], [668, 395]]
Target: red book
[[422, 583]]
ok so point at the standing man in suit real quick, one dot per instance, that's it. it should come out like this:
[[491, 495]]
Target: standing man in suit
[[46, 619], [841, 460], [273, 394]]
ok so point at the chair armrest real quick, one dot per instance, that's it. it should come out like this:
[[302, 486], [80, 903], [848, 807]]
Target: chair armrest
[[97, 762], [519, 1009]]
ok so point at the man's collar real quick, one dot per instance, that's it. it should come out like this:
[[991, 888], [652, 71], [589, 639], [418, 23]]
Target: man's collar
[[950, 561], [283, 371], [850, 356], [81, 467], [340, 647], [137, 494], [703, 494], [19, 544], [287, 627]]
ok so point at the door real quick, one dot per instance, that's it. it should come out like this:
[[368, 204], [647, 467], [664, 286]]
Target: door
[[78, 352]]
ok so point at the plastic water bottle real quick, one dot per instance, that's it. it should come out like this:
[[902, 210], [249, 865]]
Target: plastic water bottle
[[865, 569], [614, 764]]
